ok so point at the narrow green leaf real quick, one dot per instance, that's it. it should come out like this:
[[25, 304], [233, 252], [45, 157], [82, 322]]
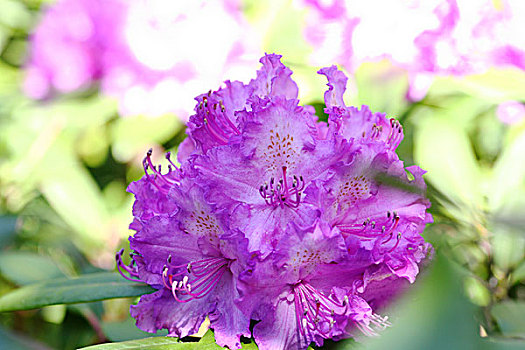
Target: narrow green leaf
[[154, 343], [126, 330], [86, 288], [14, 266], [160, 343], [207, 342]]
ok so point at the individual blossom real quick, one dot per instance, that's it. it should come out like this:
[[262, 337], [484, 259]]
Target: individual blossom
[[307, 228], [186, 249]]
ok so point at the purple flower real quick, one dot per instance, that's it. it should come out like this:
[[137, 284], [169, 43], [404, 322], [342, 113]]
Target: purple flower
[[188, 251], [310, 229]]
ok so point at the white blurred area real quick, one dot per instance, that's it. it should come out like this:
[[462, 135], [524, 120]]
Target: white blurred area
[[181, 49], [153, 56], [425, 37]]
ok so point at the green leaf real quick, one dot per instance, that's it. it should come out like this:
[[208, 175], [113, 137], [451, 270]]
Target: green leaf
[[155, 343], [510, 318], [519, 273], [443, 149], [160, 343], [86, 288], [125, 330], [508, 175], [508, 249], [433, 315], [14, 266], [207, 342], [502, 344], [7, 229], [73, 193], [9, 340]]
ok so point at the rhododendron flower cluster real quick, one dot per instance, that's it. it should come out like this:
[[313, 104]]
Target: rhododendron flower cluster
[[152, 55], [438, 37], [306, 228]]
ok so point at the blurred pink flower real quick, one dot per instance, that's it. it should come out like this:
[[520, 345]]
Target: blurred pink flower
[[427, 38], [66, 46], [152, 55], [511, 112]]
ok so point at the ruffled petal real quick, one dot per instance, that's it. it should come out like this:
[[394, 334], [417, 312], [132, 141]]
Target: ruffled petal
[[228, 321], [337, 80], [273, 79], [160, 310]]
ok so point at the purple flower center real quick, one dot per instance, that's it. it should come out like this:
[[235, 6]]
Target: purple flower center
[[281, 193], [197, 278], [316, 313]]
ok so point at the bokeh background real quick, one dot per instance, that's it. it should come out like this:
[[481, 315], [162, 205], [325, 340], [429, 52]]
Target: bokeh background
[[88, 86]]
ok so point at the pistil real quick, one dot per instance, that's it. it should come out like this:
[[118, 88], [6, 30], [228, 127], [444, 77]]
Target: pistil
[[281, 193]]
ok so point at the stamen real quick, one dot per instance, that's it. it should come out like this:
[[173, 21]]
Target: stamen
[[163, 182], [131, 269], [373, 229], [282, 194], [316, 312], [198, 278], [215, 120], [396, 133], [373, 324]]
